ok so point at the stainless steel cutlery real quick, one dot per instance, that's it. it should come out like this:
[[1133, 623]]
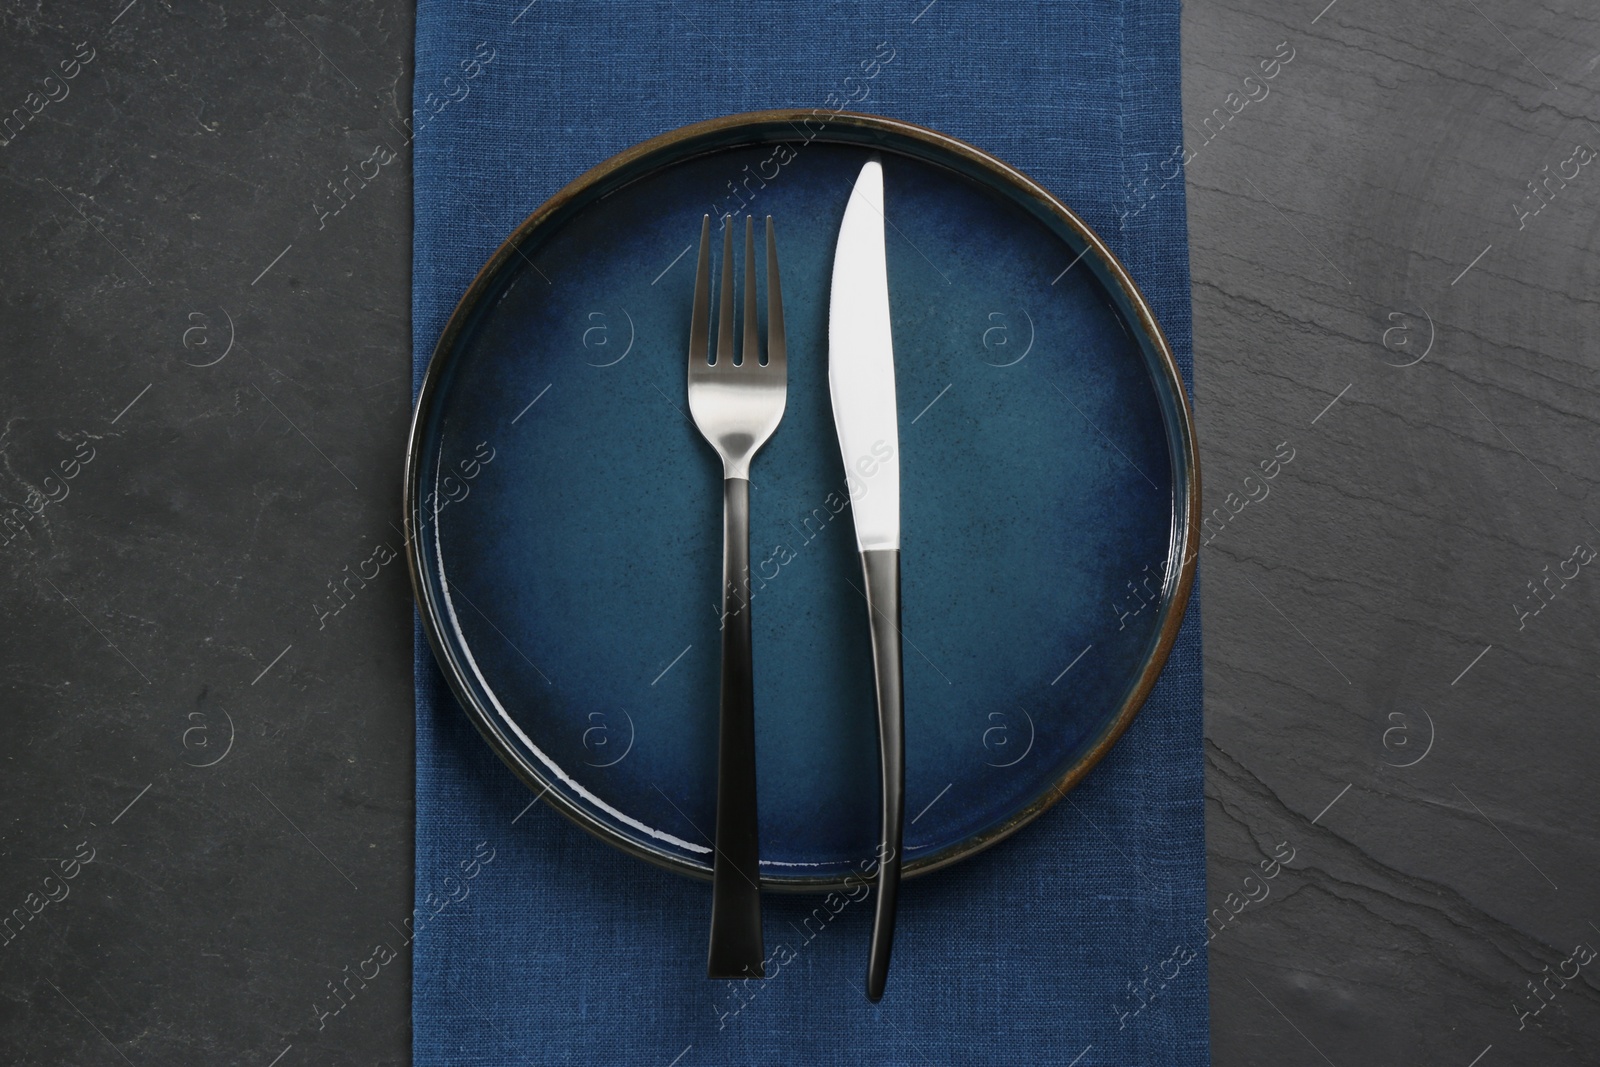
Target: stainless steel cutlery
[[736, 406], [861, 381]]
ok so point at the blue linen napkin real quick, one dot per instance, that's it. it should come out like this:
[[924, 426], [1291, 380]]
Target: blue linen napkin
[[536, 944]]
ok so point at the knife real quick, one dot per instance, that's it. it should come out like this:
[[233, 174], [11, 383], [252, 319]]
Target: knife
[[861, 381]]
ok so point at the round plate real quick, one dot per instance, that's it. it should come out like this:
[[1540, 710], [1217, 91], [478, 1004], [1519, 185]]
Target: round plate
[[566, 515]]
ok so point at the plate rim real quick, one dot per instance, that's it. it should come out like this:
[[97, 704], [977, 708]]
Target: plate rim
[[670, 145]]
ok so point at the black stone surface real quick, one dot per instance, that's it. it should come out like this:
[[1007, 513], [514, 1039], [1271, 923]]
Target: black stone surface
[[1365, 609], [214, 379], [159, 211]]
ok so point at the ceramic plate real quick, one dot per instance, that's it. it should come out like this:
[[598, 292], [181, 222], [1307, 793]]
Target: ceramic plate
[[567, 515]]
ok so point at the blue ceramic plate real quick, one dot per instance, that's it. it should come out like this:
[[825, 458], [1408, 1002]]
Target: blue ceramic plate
[[567, 515]]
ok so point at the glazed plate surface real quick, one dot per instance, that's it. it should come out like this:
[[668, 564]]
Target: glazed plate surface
[[567, 515]]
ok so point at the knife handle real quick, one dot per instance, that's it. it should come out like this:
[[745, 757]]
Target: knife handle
[[881, 569], [736, 946]]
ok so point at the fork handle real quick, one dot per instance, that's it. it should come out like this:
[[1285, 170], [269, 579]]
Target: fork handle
[[881, 569], [736, 946]]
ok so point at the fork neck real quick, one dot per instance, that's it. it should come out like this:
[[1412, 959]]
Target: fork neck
[[736, 465]]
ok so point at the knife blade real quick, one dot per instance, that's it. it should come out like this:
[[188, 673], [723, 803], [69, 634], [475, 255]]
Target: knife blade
[[861, 383]]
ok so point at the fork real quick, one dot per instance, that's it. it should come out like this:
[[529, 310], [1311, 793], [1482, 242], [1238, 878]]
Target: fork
[[736, 406]]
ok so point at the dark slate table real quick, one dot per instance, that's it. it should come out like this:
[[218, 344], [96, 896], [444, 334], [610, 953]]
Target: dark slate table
[[207, 797]]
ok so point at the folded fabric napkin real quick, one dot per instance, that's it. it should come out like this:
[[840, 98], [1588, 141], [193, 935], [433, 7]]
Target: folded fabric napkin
[[546, 946]]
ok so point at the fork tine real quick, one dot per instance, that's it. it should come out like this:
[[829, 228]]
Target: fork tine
[[725, 301], [750, 351], [777, 352], [700, 319]]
